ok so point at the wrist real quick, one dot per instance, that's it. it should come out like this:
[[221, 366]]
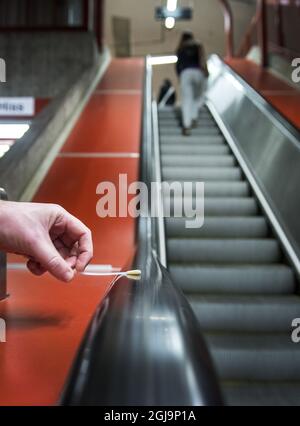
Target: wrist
[[6, 213], [3, 208]]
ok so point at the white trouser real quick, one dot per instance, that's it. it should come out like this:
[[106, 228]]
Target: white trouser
[[192, 83]]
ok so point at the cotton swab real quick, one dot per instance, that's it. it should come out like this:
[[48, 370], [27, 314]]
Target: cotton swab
[[133, 275], [102, 268]]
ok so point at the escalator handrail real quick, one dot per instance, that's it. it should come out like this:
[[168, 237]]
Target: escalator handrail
[[144, 345], [3, 260], [258, 181], [159, 207]]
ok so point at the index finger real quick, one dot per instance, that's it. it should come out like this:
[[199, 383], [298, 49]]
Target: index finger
[[81, 234]]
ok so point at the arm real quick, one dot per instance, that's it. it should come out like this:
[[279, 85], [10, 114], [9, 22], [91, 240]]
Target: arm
[[203, 61], [48, 236], [178, 63]]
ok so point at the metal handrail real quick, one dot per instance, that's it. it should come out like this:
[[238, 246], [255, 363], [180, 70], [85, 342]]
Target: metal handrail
[[3, 261], [159, 196], [246, 43], [144, 345], [229, 27]]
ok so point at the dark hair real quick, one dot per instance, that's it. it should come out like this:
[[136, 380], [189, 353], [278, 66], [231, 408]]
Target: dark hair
[[186, 36]]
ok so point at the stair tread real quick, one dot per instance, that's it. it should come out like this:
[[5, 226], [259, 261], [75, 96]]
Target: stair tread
[[252, 342], [238, 279], [231, 269], [266, 357], [223, 227]]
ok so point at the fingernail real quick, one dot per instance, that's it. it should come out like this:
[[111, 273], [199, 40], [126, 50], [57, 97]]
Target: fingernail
[[68, 275]]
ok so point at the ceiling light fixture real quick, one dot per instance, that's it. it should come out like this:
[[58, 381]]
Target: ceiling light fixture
[[163, 60], [172, 5], [170, 23], [13, 131]]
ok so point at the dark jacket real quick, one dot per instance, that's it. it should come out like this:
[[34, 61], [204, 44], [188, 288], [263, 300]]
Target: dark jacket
[[191, 55]]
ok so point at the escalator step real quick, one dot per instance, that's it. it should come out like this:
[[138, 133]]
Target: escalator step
[[204, 131], [176, 128], [258, 279], [220, 227], [220, 206], [220, 251], [192, 140], [198, 160], [197, 149], [201, 173], [265, 357], [246, 313], [203, 125], [215, 189], [201, 118], [261, 394], [177, 114]]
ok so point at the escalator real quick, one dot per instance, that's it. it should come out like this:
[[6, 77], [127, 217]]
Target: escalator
[[232, 270], [210, 321]]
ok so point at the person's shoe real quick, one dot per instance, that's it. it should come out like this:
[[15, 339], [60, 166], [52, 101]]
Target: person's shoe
[[194, 124], [186, 131]]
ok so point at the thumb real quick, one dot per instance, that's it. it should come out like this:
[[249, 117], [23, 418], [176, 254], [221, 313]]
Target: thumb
[[46, 254]]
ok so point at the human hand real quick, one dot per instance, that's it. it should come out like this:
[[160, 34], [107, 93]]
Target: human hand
[[51, 238]]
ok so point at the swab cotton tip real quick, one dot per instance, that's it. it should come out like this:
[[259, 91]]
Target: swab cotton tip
[[134, 273]]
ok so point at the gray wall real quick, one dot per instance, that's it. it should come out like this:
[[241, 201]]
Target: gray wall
[[44, 64], [59, 65]]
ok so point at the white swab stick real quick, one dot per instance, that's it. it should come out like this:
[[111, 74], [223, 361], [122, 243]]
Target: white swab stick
[[134, 274], [101, 268]]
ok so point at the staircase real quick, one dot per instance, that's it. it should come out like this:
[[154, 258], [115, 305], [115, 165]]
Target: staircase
[[232, 270]]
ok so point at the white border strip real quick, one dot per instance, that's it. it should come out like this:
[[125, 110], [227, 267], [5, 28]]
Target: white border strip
[[98, 155], [117, 92]]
